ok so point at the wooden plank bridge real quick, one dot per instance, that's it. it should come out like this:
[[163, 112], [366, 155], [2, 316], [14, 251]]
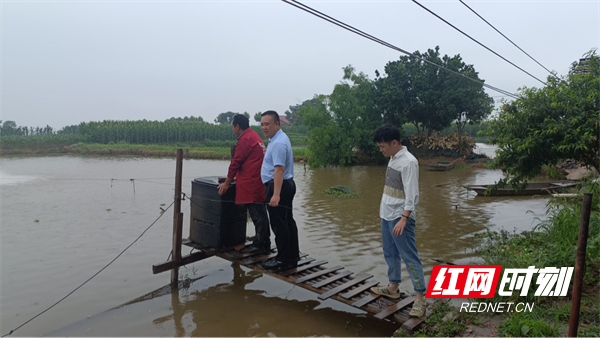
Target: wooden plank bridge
[[329, 282]]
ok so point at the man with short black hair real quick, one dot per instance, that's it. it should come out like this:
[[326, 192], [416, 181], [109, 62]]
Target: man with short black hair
[[245, 167], [277, 174], [397, 212]]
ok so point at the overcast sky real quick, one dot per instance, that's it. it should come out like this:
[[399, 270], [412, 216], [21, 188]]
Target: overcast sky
[[65, 62]]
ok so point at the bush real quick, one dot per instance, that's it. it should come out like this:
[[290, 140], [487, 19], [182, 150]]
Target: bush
[[517, 325]]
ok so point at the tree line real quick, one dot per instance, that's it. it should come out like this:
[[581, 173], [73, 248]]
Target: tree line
[[10, 128], [408, 91], [134, 132]]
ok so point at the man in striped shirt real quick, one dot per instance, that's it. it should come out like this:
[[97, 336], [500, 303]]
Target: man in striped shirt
[[397, 212]]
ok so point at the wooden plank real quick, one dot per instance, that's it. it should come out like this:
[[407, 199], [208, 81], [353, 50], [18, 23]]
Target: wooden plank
[[371, 303], [302, 268], [396, 307], [258, 258], [317, 274], [344, 286], [332, 279], [365, 300], [166, 266], [305, 261], [411, 324], [238, 255], [360, 289]]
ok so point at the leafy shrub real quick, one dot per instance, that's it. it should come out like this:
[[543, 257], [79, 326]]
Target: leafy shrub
[[517, 325], [340, 191]]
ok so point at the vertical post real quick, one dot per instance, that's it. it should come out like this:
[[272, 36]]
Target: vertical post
[[177, 218], [580, 264]]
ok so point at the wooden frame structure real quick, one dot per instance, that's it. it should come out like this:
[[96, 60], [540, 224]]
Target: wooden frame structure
[[311, 274]]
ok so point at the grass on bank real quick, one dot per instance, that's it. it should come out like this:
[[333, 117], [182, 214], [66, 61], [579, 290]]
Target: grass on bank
[[443, 321], [552, 243], [215, 150]]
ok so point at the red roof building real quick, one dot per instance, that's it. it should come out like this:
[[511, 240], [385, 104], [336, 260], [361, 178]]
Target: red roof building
[[283, 121]]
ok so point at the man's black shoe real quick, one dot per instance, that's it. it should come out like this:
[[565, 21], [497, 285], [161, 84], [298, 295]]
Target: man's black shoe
[[272, 264], [253, 249], [269, 260], [289, 266]]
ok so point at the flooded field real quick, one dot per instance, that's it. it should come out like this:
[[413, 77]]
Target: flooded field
[[63, 218]]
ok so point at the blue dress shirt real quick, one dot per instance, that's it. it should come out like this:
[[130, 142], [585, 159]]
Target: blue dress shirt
[[279, 152]]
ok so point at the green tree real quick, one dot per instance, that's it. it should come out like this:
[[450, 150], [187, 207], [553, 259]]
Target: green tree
[[292, 113], [227, 118], [422, 94], [464, 100], [550, 124], [186, 119], [342, 122], [258, 117], [327, 143]]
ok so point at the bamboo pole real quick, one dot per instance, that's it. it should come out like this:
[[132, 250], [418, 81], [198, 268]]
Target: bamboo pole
[[580, 264], [177, 218]]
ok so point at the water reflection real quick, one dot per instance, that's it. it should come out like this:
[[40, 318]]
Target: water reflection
[[257, 313], [234, 306]]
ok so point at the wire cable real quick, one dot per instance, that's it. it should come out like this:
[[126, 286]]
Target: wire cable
[[479, 43], [499, 32], [89, 279], [354, 30]]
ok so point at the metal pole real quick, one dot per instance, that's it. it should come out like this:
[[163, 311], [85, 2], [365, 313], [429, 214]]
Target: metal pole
[[580, 264], [177, 218]]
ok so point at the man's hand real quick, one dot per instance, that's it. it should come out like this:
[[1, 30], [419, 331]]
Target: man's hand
[[223, 188], [274, 201], [399, 227]]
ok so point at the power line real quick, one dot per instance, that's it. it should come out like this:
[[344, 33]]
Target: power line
[[354, 30], [499, 32], [479, 43]]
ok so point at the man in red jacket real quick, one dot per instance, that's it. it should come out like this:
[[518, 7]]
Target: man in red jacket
[[250, 191]]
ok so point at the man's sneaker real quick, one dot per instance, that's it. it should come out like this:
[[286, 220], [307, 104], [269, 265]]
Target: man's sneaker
[[386, 291], [418, 309]]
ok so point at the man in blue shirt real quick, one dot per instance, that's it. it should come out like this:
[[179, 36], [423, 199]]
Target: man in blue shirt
[[277, 174]]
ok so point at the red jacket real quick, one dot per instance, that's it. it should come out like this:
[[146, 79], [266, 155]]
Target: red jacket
[[245, 167]]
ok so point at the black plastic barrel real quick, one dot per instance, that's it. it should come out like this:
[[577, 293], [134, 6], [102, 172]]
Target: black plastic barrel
[[216, 221]]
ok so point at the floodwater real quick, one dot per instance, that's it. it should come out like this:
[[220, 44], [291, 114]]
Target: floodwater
[[63, 218]]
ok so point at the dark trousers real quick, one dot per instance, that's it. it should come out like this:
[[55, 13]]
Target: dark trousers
[[258, 214], [282, 222]]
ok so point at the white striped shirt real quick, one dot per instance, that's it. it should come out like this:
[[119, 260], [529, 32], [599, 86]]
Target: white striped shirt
[[401, 190]]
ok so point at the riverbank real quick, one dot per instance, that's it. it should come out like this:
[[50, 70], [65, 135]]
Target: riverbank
[[190, 151], [551, 243], [460, 162]]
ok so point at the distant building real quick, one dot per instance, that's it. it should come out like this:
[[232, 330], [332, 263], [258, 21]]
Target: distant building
[[583, 66], [283, 121]]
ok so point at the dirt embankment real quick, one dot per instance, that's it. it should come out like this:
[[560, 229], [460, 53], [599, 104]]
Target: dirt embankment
[[112, 150], [462, 161]]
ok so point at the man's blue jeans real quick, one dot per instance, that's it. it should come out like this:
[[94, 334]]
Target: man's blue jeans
[[402, 247]]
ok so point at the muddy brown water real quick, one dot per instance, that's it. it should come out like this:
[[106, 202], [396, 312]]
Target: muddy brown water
[[63, 219]]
